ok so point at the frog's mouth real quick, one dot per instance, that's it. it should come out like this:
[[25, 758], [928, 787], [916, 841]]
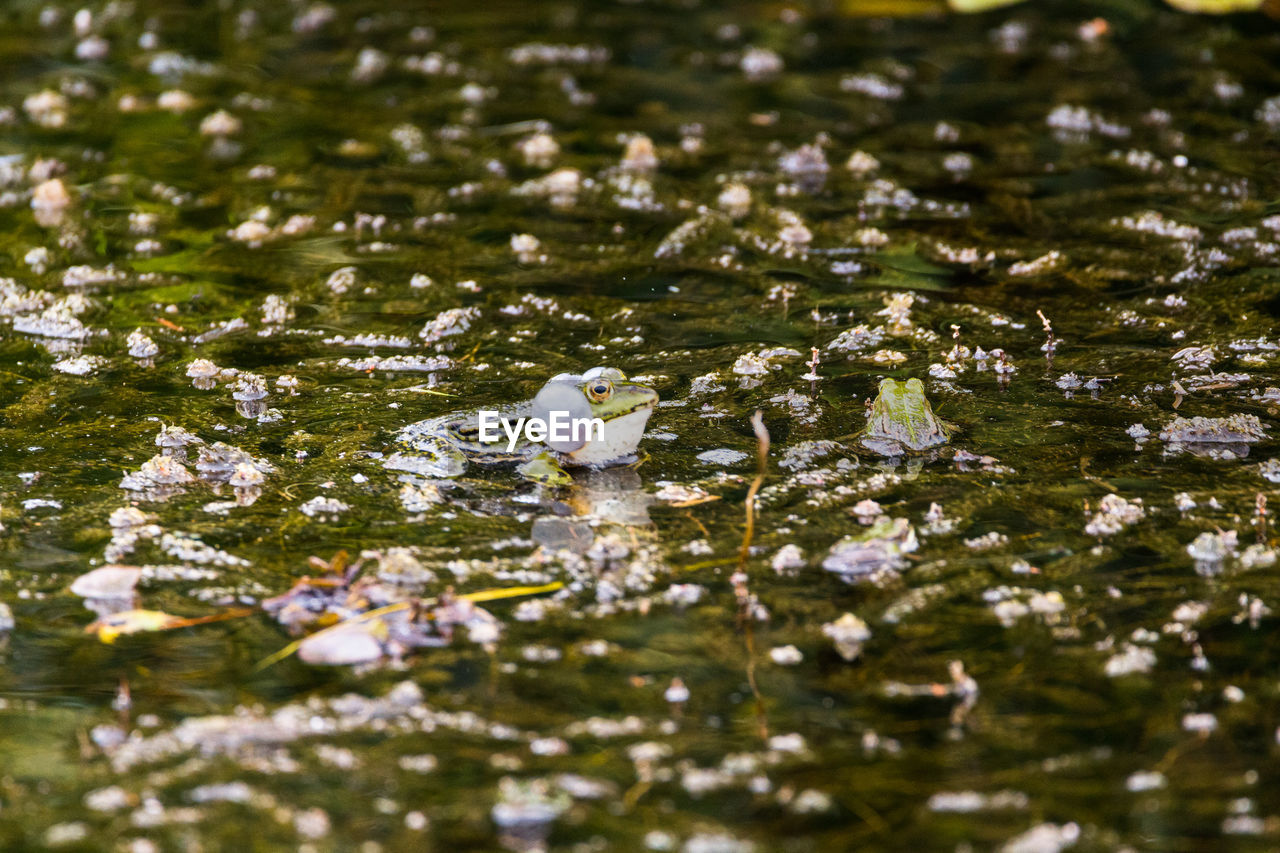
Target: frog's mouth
[[621, 436]]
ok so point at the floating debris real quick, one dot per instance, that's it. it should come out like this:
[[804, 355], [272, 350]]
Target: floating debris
[[847, 634], [220, 123], [1202, 724], [49, 202], [967, 802], [808, 165], [189, 548], [677, 693], [988, 540], [1211, 550], [1010, 604], [1138, 432], [1154, 222], [785, 655], [1046, 263], [82, 365], [759, 64], [325, 509], [1114, 514], [109, 582], [873, 86], [539, 150], [56, 321], [346, 644], [1195, 357], [1216, 438], [454, 321], [141, 346], [525, 811], [527, 248], [47, 108], [560, 188], [640, 155], [397, 363], [159, 478], [735, 200], [112, 627], [1043, 838], [218, 462], [861, 164], [1145, 780], [204, 374], [1129, 660], [721, 457]]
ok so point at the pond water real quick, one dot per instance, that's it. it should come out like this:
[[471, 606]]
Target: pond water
[[296, 228]]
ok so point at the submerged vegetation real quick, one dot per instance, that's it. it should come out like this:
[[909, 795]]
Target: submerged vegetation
[[250, 250]]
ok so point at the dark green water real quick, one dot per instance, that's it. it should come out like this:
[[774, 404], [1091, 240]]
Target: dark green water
[[1145, 157]]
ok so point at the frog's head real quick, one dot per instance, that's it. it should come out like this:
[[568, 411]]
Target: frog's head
[[622, 409], [900, 398]]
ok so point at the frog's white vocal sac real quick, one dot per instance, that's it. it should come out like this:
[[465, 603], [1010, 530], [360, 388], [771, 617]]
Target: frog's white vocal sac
[[558, 426]]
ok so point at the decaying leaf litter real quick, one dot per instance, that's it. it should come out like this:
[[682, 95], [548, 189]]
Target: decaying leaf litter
[[245, 246]]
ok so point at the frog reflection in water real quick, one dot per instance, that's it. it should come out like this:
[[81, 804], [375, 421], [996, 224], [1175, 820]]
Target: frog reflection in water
[[442, 447], [902, 421], [601, 503]]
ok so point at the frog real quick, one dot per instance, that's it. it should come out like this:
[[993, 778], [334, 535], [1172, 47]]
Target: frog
[[879, 550], [444, 447], [902, 421]]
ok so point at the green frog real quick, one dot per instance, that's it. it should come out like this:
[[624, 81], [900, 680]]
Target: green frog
[[902, 421], [592, 420]]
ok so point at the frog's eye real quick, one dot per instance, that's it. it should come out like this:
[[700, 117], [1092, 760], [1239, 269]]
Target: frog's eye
[[599, 390]]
